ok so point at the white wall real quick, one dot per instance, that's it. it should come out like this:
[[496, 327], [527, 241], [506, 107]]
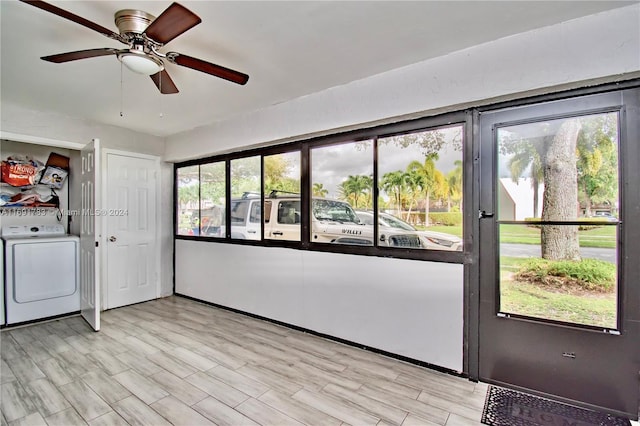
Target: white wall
[[604, 46], [410, 308], [42, 126], [51, 125], [516, 199]]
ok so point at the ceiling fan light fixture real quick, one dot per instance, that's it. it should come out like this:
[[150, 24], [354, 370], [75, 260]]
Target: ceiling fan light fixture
[[141, 63]]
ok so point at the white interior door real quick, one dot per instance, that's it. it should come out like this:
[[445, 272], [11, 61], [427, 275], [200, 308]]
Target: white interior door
[[132, 256], [89, 235]]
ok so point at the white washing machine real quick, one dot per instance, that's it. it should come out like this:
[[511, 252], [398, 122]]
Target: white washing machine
[[42, 271]]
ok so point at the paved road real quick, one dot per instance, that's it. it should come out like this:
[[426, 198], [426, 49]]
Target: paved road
[[532, 250]]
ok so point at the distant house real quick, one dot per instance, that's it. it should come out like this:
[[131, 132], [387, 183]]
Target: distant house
[[515, 199]]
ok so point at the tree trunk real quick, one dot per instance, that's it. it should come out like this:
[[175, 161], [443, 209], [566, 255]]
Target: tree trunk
[[536, 201], [560, 200], [426, 211], [408, 218], [587, 209]]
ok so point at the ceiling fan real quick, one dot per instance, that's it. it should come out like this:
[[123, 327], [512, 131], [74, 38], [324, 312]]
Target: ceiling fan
[[144, 35]]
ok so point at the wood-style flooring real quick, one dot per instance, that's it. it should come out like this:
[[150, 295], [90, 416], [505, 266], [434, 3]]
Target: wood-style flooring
[[176, 361]]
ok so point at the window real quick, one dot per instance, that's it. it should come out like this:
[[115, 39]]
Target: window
[[239, 210], [187, 204], [420, 187], [289, 212], [397, 195], [282, 174], [341, 184], [212, 199], [282, 187], [558, 200], [245, 198]]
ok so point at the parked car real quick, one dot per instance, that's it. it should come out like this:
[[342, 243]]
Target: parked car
[[332, 221], [430, 239], [605, 215], [212, 221]]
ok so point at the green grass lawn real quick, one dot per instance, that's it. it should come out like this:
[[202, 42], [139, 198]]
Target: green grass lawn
[[598, 309], [524, 298], [604, 236]]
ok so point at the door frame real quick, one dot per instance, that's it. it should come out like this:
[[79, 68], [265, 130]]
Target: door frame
[[630, 297], [103, 242], [472, 193]]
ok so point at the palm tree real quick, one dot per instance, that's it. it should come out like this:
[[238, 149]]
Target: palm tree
[[393, 183], [434, 182], [319, 190], [354, 187], [416, 183], [188, 196], [528, 157], [454, 182], [598, 161]]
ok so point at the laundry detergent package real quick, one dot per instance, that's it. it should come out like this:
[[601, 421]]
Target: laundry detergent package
[[21, 171]]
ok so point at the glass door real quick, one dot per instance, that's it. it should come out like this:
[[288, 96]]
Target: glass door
[[558, 289]]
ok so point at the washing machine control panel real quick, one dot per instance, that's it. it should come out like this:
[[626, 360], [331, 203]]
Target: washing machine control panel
[[26, 231]]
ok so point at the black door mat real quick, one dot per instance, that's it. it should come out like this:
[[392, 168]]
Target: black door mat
[[506, 407]]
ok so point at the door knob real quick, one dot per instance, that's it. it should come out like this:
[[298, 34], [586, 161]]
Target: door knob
[[112, 239]]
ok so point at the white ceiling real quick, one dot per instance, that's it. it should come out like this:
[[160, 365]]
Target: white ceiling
[[289, 49]]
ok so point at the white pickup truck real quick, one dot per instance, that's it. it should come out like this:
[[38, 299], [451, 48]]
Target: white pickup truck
[[332, 221]]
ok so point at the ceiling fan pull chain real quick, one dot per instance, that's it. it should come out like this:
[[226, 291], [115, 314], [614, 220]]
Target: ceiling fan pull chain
[[121, 93], [160, 87]]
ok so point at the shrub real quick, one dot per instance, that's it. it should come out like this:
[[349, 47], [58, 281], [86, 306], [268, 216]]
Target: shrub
[[443, 218], [435, 218], [587, 274]]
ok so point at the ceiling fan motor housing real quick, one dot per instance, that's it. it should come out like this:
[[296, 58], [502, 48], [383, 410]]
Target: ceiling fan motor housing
[[133, 21]]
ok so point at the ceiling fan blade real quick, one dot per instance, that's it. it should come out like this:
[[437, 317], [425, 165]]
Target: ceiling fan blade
[[164, 83], [175, 20], [80, 54], [208, 67], [75, 18]]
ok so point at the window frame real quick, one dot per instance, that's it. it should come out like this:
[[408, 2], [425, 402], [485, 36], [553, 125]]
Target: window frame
[[583, 108], [304, 146]]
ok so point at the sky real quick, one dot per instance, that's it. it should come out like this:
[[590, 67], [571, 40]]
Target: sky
[[333, 164]]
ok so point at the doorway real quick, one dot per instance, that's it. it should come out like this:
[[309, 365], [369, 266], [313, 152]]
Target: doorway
[[131, 219], [559, 289]]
